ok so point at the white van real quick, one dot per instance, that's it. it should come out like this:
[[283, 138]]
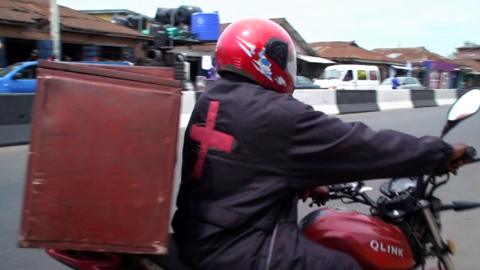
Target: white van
[[350, 77]]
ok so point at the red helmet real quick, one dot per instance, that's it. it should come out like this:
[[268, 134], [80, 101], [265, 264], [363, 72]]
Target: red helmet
[[260, 50]]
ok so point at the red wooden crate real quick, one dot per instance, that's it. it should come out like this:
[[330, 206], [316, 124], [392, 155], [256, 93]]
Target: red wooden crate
[[102, 158]]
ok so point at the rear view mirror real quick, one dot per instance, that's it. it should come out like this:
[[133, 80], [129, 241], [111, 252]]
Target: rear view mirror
[[466, 106]]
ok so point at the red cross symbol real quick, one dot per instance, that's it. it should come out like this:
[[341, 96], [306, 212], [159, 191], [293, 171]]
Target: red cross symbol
[[208, 137]]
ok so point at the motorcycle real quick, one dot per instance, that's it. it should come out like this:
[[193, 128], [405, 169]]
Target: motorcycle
[[402, 231]]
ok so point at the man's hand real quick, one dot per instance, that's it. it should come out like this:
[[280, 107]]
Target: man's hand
[[458, 158], [319, 195]]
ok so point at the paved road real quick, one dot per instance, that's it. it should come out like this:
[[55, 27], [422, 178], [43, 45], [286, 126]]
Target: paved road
[[463, 227], [12, 170]]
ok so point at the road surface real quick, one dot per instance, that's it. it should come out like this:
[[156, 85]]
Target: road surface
[[461, 227]]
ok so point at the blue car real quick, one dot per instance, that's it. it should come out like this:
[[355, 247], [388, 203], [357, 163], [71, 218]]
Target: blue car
[[22, 77], [19, 78]]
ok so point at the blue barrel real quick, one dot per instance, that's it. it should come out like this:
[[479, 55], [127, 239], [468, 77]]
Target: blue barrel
[[206, 26]]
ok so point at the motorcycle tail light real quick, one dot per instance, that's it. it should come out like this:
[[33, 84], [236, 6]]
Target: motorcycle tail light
[[452, 248]]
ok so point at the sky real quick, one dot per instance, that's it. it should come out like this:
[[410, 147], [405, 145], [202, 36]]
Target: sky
[[439, 25]]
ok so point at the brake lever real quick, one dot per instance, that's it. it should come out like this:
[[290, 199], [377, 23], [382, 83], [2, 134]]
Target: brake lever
[[471, 153], [469, 156]]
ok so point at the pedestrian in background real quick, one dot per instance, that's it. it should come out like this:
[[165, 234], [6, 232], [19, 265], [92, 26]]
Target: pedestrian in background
[[395, 82]]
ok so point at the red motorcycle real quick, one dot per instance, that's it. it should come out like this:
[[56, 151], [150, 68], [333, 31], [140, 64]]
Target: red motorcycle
[[404, 228], [402, 231]]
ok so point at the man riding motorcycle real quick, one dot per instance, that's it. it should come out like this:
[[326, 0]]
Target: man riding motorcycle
[[251, 149]]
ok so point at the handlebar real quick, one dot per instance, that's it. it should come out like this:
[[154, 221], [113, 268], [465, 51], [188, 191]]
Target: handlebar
[[459, 206], [352, 193]]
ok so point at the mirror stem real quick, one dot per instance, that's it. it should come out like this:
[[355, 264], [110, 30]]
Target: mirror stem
[[444, 131], [448, 126]]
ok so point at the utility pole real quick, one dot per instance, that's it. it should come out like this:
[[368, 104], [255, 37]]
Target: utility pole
[[55, 30]]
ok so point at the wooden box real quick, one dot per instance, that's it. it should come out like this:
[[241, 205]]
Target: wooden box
[[102, 157]]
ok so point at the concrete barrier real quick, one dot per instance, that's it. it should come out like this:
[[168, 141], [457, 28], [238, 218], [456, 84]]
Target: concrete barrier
[[445, 96], [423, 98], [14, 134], [320, 100], [188, 102], [394, 99], [461, 92], [15, 109], [353, 101], [15, 118]]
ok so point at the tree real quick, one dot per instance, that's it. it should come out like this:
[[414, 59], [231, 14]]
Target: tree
[[466, 43], [469, 43]]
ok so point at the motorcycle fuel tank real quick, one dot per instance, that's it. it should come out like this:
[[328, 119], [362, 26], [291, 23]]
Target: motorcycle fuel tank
[[373, 243]]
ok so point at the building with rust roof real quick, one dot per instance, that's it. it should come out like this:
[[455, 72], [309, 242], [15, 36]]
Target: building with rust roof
[[415, 54], [24, 27], [469, 52], [468, 59], [348, 52], [433, 70]]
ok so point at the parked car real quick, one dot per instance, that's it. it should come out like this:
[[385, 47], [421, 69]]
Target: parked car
[[302, 82], [411, 83], [19, 78], [350, 77]]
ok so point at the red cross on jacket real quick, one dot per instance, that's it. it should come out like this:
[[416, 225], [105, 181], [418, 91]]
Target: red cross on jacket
[[208, 137]]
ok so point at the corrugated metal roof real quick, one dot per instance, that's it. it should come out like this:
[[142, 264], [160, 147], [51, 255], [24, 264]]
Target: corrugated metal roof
[[415, 54], [469, 63], [473, 47], [29, 11], [349, 50], [314, 59], [109, 11], [114, 12], [194, 53]]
